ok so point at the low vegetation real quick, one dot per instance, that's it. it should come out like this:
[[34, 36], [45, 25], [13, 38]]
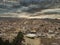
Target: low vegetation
[[17, 41]]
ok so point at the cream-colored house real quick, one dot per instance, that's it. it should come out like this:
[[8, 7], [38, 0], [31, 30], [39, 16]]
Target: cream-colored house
[[31, 39]]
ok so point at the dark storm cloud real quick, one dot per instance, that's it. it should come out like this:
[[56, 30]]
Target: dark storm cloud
[[26, 5]]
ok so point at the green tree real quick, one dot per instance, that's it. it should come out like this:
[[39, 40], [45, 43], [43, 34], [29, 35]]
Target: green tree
[[7, 42], [1, 41], [18, 40]]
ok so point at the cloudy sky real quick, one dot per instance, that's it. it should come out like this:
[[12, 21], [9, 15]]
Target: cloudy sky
[[30, 6]]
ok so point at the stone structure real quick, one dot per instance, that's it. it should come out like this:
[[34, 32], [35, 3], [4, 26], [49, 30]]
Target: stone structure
[[32, 41]]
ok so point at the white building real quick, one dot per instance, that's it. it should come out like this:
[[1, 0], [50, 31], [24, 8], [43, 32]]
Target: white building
[[31, 35]]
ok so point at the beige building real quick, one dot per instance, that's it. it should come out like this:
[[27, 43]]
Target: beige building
[[31, 39]]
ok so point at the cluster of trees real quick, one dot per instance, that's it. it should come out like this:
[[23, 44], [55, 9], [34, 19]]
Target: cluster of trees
[[17, 41]]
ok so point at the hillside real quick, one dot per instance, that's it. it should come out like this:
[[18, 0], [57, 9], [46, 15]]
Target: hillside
[[9, 27]]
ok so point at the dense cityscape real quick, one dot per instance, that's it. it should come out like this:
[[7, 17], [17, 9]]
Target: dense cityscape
[[42, 28]]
